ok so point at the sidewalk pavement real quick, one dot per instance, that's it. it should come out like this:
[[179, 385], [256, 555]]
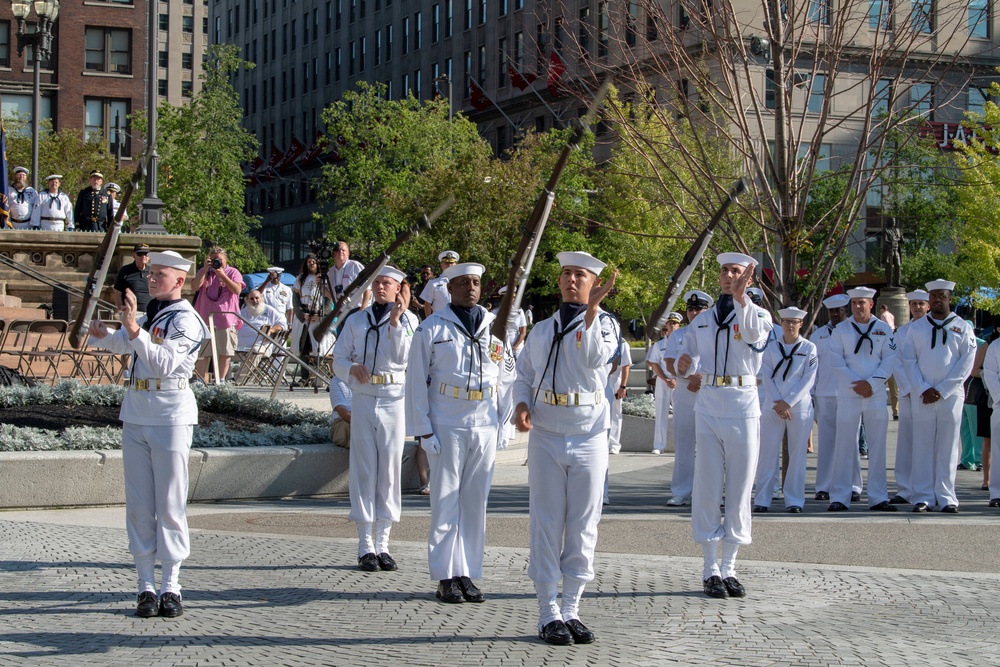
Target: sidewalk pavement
[[275, 583]]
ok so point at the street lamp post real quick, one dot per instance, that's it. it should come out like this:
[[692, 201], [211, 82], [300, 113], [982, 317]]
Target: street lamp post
[[152, 205], [41, 49], [444, 78]]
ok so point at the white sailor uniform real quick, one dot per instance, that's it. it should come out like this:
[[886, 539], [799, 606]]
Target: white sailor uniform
[[158, 414], [561, 375], [937, 355], [991, 378], [727, 422], [663, 396], [378, 418], [23, 208], [278, 296], [861, 352], [683, 423], [826, 389], [55, 212], [789, 372], [436, 293], [622, 359], [903, 466], [452, 391]]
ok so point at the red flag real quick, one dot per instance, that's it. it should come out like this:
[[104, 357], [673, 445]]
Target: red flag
[[522, 81], [556, 70], [294, 151], [314, 150], [478, 98], [268, 172]]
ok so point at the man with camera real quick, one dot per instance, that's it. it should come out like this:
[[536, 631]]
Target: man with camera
[[218, 286]]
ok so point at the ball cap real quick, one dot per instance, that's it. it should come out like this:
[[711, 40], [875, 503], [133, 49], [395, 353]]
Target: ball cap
[[394, 273], [97, 173], [141, 248], [275, 269], [464, 269], [792, 313], [674, 317], [448, 256], [171, 259], [737, 258], [861, 293], [698, 299], [940, 284], [53, 177], [582, 259], [918, 295], [836, 301]]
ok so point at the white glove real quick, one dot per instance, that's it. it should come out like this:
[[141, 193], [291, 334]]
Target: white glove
[[502, 444], [431, 445]]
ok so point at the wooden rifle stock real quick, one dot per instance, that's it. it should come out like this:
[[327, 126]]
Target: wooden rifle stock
[[372, 269], [688, 264], [102, 263], [531, 236]]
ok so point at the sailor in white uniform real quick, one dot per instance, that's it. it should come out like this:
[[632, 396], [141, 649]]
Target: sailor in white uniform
[[919, 305], [685, 396], [937, 356], [991, 378], [864, 354], [55, 210], [23, 199], [371, 356], [721, 346], [665, 383], [826, 390], [451, 397], [789, 371], [559, 394], [277, 294], [435, 294], [158, 414], [517, 326]]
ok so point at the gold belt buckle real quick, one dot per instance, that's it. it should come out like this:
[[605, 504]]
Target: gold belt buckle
[[561, 399], [378, 379], [142, 385], [475, 395]]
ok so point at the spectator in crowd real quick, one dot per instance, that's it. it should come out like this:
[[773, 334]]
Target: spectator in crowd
[[277, 294], [218, 285], [134, 276], [262, 316], [55, 212]]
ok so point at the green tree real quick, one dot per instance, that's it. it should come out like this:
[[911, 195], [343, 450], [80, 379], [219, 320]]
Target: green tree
[[202, 146]]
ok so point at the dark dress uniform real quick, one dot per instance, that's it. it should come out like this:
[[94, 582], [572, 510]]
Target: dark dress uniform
[[93, 210]]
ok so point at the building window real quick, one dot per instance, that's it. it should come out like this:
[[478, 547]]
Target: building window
[[417, 31], [436, 29], [922, 17], [416, 84], [880, 14], [518, 50], [482, 12], [353, 47], [406, 35], [164, 59], [584, 32], [4, 43], [979, 19], [340, 13], [468, 15], [108, 50], [882, 97], [187, 89], [922, 100], [378, 47], [161, 87], [337, 61], [364, 49], [187, 61], [329, 68], [292, 32], [388, 43], [816, 92], [449, 7], [652, 33], [329, 17], [501, 7], [218, 30], [405, 90], [604, 24], [204, 25], [99, 121], [819, 11], [165, 24], [305, 28], [482, 66], [187, 24], [468, 74], [502, 62], [769, 89], [976, 102]]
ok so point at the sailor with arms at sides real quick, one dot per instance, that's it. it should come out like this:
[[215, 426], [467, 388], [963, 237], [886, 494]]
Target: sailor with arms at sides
[[721, 346], [559, 398], [919, 305], [665, 383]]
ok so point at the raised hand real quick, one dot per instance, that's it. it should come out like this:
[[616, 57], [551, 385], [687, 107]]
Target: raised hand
[[401, 305], [741, 282]]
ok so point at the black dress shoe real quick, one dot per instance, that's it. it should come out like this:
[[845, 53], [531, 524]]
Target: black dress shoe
[[950, 509], [170, 605], [921, 507], [368, 563], [822, 495], [855, 497], [470, 591], [146, 605], [581, 633], [794, 509], [994, 502], [759, 509], [837, 507], [734, 587], [884, 506], [714, 587], [449, 591], [386, 562], [556, 632], [898, 500]]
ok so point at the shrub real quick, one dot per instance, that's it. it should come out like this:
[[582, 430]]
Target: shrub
[[640, 405]]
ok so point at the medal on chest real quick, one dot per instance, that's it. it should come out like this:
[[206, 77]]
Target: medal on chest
[[157, 335], [736, 332], [579, 336], [496, 350]]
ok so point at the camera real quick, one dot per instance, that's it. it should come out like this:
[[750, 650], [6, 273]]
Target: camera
[[216, 263], [324, 249]]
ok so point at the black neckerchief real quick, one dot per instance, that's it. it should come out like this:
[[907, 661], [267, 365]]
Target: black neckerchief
[[935, 327], [567, 313], [865, 336], [785, 357], [378, 310], [153, 308], [376, 318], [470, 318], [724, 313], [724, 306]]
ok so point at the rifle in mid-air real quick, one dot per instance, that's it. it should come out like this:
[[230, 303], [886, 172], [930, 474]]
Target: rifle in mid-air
[[688, 264], [368, 274], [102, 263]]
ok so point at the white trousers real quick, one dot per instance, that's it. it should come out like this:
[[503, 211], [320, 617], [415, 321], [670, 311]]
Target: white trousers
[[683, 425], [565, 481], [937, 448], [850, 411], [460, 485], [904, 449], [299, 329], [826, 418], [995, 460], [725, 459], [615, 433], [772, 431], [663, 396], [376, 459], [155, 459]]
